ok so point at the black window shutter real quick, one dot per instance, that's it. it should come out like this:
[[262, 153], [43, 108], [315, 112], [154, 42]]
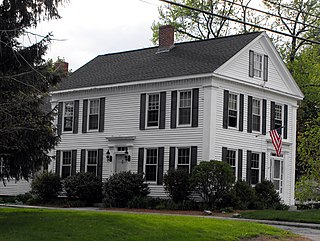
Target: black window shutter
[[172, 157], [74, 162], [140, 160], [224, 154], [60, 114], [160, 165], [264, 117], [241, 112], [174, 109], [195, 107], [272, 113], [239, 164], [100, 163], [251, 73], [265, 68], [83, 161], [162, 124], [249, 167], [249, 127], [143, 111], [225, 109], [76, 117], [58, 158], [285, 128], [101, 114], [263, 165], [194, 156], [85, 116]]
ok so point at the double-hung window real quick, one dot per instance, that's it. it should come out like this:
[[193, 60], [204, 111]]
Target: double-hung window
[[185, 100], [94, 114], [184, 159], [233, 110], [153, 110], [151, 164], [68, 116], [66, 164], [256, 114], [278, 116], [257, 64], [255, 168], [232, 160], [92, 161]]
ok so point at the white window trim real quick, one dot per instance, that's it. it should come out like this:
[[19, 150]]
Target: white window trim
[[259, 115], [238, 110], [177, 156], [61, 162], [147, 109], [64, 107], [88, 115], [178, 108], [145, 164], [87, 157], [236, 161], [262, 64], [259, 168]]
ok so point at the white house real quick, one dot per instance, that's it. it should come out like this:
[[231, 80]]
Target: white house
[[172, 106]]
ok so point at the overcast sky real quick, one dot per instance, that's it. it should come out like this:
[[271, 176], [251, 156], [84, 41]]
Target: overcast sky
[[98, 27]]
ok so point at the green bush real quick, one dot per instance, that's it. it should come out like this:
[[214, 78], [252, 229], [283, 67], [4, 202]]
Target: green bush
[[267, 196], [177, 184], [24, 197], [84, 186], [244, 195], [46, 186], [212, 181], [122, 187]]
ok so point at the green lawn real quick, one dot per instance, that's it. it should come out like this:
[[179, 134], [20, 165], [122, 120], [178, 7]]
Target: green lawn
[[32, 224], [305, 216]]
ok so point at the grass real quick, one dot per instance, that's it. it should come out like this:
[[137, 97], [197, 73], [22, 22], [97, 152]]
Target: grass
[[33, 224], [304, 216]]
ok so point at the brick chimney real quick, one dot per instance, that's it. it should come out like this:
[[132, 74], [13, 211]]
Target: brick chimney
[[166, 38], [62, 67]]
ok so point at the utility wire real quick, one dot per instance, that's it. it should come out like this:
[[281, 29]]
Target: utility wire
[[238, 21], [271, 14]]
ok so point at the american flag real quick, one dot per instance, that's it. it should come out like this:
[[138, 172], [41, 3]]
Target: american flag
[[276, 140]]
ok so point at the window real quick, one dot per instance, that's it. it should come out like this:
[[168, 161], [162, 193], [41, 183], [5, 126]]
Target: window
[[94, 114], [92, 161], [255, 168], [68, 116], [256, 114], [66, 164], [233, 110], [185, 98], [153, 110], [278, 116], [184, 159], [232, 160], [151, 164], [257, 65]]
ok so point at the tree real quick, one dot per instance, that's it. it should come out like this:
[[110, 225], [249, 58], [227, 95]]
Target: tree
[[26, 129]]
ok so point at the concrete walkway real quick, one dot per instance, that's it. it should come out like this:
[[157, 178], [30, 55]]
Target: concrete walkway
[[307, 230]]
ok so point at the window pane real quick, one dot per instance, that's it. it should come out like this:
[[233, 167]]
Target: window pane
[[183, 156], [257, 64], [92, 157], [151, 164], [185, 108], [231, 160], [93, 122], [66, 158], [232, 110], [152, 155], [151, 173], [256, 123], [153, 117], [68, 116], [255, 168], [278, 116], [66, 171], [94, 107], [184, 116], [92, 169]]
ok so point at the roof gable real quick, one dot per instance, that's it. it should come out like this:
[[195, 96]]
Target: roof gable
[[190, 58]]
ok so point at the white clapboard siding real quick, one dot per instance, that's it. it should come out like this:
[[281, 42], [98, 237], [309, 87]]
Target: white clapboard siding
[[12, 188]]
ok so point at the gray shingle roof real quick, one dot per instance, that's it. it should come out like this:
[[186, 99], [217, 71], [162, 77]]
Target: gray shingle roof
[[189, 58]]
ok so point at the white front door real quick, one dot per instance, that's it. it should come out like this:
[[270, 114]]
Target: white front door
[[121, 163], [277, 173]]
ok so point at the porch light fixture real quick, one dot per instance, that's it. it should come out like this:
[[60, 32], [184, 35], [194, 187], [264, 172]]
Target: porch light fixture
[[126, 155], [108, 156]]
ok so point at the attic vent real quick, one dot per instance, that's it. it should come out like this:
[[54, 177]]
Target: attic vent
[[166, 38]]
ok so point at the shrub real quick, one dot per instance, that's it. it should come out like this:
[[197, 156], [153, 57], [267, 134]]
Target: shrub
[[46, 186], [212, 181], [122, 187], [177, 184], [24, 197], [267, 196], [244, 195], [84, 186]]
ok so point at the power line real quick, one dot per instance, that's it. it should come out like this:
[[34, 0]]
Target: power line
[[271, 14], [238, 21]]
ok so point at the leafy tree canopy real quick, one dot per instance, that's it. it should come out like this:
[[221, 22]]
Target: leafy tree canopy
[[26, 129]]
